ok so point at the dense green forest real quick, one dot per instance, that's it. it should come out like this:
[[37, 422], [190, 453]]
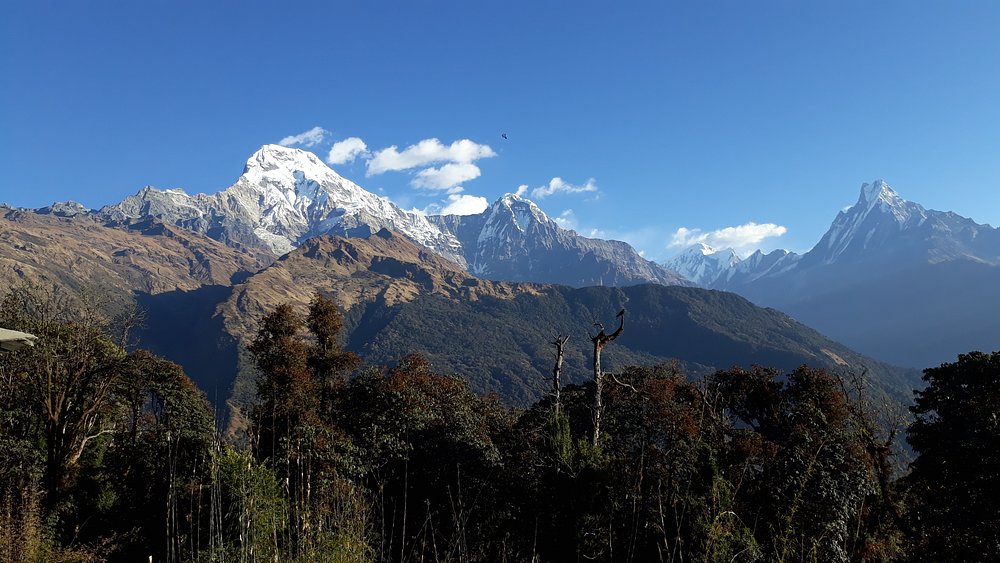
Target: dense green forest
[[110, 453]]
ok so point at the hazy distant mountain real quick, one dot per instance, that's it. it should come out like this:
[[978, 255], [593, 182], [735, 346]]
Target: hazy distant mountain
[[885, 232], [890, 278], [703, 264], [514, 240]]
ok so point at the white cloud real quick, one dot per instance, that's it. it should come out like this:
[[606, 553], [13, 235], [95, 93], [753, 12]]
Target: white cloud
[[456, 204], [739, 237], [309, 138], [558, 185], [463, 204], [521, 190], [347, 150], [566, 219], [426, 152], [448, 176]]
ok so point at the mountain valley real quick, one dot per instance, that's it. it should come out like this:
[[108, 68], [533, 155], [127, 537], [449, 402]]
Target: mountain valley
[[207, 268]]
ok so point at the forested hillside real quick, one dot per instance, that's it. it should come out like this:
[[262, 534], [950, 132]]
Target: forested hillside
[[111, 454]]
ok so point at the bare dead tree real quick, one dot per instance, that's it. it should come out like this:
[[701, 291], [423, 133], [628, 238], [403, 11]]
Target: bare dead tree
[[559, 343], [600, 341]]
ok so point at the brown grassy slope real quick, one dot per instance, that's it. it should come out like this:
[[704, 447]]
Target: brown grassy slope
[[385, 267], [81, 252]]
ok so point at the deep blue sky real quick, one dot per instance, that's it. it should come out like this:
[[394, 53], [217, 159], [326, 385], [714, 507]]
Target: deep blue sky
[[701, 115]]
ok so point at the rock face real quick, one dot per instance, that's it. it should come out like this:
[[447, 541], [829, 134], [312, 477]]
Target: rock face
[[284, 197], [514, 240]]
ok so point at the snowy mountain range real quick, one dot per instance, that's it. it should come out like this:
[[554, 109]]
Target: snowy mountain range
[[286, 196], [909, 285], [889, 278], [703, 264], [881, 231]]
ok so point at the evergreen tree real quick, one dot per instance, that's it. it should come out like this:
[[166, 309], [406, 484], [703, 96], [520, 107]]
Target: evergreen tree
[[953, 480]]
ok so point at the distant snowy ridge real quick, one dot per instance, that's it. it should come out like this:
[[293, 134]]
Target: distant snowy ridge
[[702, 263]]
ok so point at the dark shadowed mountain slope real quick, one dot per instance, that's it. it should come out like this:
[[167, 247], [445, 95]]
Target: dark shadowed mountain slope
[[399, 299], [504, 345]]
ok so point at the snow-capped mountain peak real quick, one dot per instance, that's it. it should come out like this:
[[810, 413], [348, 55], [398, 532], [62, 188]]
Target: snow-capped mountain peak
[[876, 190], [283, 197], [699, 248], [278, 161], [702, 263], [878, 213], [510, 219], [880, 195], [512, 207]]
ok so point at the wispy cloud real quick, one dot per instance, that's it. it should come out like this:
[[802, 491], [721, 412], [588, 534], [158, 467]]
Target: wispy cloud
[[558, 185], [446, 177], [428, 151], [347, 150], [309, 138], [521, 190], [566, 219], [739, 238]]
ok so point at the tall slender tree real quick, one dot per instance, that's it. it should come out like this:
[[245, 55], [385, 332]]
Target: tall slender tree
[[600, 341], [560, 344]]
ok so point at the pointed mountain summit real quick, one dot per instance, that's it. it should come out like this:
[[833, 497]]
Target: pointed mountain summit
[[880, 234], [882, 226], [284, 197], [876, 219], [514, 240], [906, 284]]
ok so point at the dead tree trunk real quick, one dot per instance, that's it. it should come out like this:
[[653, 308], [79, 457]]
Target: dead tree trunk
[[600, 341], [559, 343]]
